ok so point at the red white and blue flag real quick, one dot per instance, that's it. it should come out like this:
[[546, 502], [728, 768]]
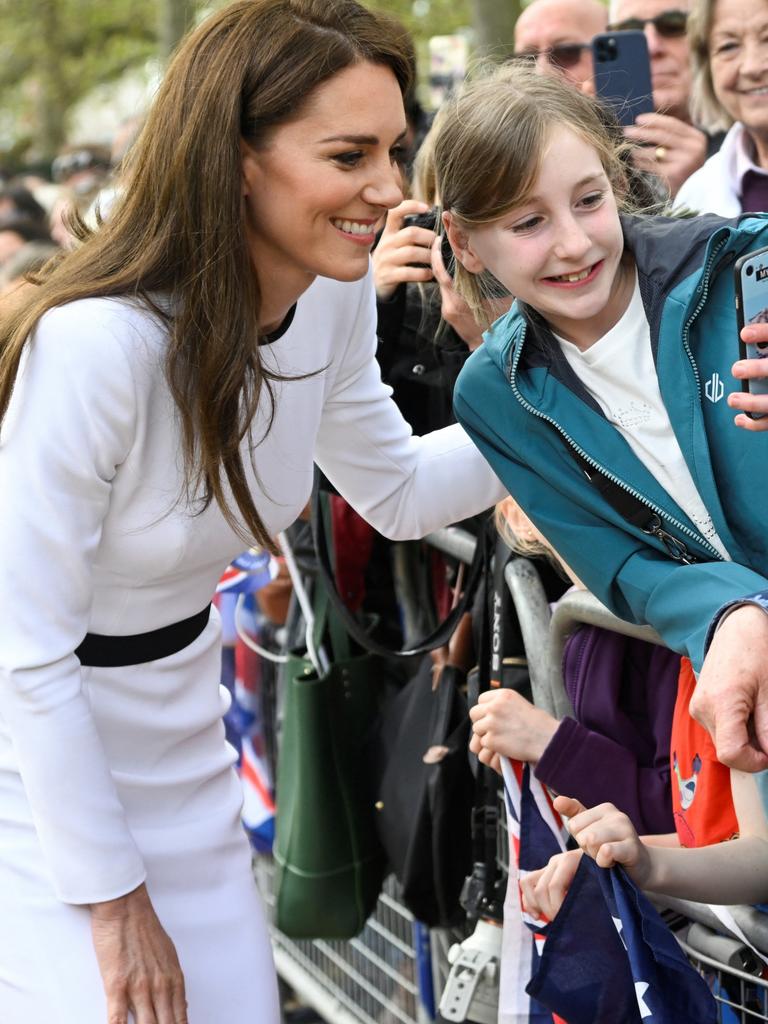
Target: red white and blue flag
[[607, 958], [536, 833]]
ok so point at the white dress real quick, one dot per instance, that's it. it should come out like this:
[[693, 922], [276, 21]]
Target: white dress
[[109, 777]]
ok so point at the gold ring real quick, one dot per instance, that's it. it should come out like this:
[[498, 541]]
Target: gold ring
[[660, 153]]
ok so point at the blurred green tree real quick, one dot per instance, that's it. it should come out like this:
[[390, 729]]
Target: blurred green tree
[[53, 52]]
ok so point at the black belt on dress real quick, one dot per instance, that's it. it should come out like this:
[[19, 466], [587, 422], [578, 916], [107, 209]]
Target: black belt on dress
[[99, 651]]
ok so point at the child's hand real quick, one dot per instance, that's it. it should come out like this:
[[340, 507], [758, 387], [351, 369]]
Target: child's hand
[[544, 890], [608, 836], [484, 756], [504, 722]]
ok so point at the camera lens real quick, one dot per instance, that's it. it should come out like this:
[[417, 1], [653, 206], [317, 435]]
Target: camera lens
[[750, 271]]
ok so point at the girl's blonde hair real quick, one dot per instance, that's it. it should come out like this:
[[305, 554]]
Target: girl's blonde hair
[[706, 108], [488, 146]]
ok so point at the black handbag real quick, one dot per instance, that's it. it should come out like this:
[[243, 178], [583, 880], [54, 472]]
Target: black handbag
[[422, 780], [425, 792]]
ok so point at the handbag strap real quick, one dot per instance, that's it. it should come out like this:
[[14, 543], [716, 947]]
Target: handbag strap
[[439, 636], [632, 509]]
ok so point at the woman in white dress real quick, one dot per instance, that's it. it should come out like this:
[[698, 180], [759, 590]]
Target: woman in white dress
[[164, 391]]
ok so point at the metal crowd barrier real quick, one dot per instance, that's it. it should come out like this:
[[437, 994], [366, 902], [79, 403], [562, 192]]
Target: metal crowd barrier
[[378, 978]]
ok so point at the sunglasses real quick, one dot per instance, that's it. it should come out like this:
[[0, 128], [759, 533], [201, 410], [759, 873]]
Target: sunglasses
[[68, 164], [564, 56], [669, 24]]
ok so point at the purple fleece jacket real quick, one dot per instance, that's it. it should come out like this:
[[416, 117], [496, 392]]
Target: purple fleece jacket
[[617, 749]]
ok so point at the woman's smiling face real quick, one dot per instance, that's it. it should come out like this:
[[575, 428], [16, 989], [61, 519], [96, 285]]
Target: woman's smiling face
[[315, 191], [561, 251], [738, 57]]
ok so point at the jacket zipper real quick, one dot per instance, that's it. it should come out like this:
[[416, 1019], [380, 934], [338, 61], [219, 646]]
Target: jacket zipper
[[702, 299], [655, 528]]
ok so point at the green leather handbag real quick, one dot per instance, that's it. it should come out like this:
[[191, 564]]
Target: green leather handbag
[[330, 864]]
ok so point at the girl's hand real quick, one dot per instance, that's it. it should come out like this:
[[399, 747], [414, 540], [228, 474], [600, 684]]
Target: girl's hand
[[398, 247], [751, 369], [137, 961], [608, 836], [544, 890], [504, 722]]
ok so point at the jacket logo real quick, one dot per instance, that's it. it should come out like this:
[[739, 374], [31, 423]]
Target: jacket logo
[[714, 389]]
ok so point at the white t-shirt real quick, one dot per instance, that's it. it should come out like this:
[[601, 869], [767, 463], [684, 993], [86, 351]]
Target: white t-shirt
[[619, 372]]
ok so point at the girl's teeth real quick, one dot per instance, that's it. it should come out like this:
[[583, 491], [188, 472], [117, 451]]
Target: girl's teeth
[[573, 278]]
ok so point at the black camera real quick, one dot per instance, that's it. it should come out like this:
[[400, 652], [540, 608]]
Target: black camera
[[430, 221]]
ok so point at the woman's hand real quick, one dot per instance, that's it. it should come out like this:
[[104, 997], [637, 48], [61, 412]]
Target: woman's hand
[[544, 890], [608, 836], [731, 695], [751, 369], [398, 247], [505, 723], [137, 961], [669, 148]]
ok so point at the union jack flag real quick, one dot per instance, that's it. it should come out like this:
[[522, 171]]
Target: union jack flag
[[607, 958], [536, 833]]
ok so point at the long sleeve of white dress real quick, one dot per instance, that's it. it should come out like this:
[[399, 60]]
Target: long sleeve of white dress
[[405, 486], [69, 427], [93, 536]]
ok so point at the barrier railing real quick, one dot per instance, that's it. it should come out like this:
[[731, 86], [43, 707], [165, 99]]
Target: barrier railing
[[373, 979]]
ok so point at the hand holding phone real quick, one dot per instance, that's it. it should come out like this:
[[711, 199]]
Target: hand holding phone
[[623, 73], [751, 281]]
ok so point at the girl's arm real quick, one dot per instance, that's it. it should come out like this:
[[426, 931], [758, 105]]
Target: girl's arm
[[731, 872]]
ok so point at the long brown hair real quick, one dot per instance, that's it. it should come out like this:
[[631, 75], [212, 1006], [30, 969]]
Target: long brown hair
[[179, 227]]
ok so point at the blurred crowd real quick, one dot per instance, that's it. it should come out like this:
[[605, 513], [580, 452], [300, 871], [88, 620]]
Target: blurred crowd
[[38, 214]]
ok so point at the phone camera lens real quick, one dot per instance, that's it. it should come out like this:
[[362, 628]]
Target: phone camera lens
[[750, 271]]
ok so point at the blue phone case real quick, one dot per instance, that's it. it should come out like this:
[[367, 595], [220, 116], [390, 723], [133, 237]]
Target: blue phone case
[[623, 73]]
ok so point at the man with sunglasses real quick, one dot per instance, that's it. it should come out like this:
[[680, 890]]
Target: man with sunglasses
[[556, 34], [672, 147]]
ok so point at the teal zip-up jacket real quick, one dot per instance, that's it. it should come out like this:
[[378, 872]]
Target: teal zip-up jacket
[[523, 406]]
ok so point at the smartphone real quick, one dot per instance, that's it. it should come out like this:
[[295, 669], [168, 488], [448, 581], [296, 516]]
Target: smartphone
[[751, 274], [429, 220], [623, 73]]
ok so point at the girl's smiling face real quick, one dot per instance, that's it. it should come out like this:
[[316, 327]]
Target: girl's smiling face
[[561, 251]]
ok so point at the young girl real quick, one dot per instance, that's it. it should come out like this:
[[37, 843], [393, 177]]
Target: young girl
[[598, 399]]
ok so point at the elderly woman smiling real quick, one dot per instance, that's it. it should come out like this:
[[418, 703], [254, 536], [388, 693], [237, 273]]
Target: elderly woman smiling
[[729, 47]]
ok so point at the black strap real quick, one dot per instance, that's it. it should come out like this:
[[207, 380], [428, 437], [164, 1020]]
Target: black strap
[[100, 651], [627, 505], [633, 510], [501, 611], [439, 636]]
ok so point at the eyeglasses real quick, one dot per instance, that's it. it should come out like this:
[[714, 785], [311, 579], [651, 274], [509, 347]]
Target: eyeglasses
[[68, 164], [564, 56], [669, 24]]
